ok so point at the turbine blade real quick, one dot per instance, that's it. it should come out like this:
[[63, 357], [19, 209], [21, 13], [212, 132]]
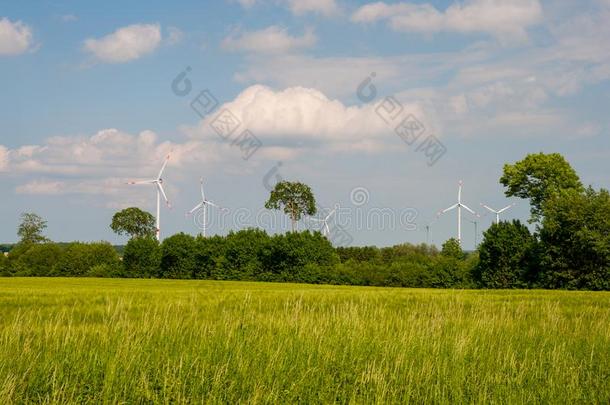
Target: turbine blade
[[164, 165], [489, 208], [164, 195], [131, 183], [195, 209], [468, 209], [330, 215], [460, 191], [505, 208], [202, 192], [448, 209]]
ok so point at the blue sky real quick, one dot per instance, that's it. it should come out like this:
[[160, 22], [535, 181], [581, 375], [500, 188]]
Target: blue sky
[[87, 104]]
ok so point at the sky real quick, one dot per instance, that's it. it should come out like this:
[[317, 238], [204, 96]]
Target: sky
[[380, 107]]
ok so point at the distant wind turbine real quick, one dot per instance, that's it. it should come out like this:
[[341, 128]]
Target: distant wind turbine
[[459, 207], [204, 205], [497, 212], [158, 183], [325, 227]]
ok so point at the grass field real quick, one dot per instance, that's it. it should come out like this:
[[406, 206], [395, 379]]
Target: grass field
[[151, 341]]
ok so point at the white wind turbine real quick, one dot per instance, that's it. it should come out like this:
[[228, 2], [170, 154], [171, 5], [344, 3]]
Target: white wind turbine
[[497, 212], [204, 205], [158, 183], [325, 227], [459, 207]]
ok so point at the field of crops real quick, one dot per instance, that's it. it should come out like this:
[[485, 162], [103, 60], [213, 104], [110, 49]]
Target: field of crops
[[135, 341]]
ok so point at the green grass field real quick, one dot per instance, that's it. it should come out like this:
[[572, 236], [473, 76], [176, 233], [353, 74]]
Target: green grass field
[[152, 341]]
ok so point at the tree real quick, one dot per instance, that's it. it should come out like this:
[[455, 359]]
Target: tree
[[78, 259], [142, 258], [294, 198], [38, 260], [537, 178], [178, 257], [575, 238], [31, 228], [506, 256], [452, 248], [134, 222]]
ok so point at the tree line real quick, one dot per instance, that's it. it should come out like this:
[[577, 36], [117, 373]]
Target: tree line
[[568, 249]]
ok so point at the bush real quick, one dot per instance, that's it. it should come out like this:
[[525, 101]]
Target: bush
[[4, 266], [38, 260], [78, 258], [506, 256], [178, 257], [142, 258]]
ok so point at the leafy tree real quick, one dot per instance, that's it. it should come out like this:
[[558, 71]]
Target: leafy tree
[[294, 198], [575, 238], [506, 256], [538, 177], [134, 222], [142, 258], [178, 257], [452, 248], [39, 260], [79, 258], [31, 228], [4, 265], [209, 256]]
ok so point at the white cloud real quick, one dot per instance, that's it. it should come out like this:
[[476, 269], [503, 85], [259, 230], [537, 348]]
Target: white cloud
[[15, 37], [273, 39], [3, 158], [507, 20], [41, 187], [125, 44], [326, 8], [304, 118], [174, 35]]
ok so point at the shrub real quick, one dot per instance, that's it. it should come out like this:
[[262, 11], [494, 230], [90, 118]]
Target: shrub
[[77, 258], [38, 260], [178, 257], [142, 258]]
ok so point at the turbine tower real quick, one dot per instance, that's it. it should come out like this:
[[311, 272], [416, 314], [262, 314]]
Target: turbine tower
[[497, 212], [203, 205], [158, 183], [325, 227], [459, 207]]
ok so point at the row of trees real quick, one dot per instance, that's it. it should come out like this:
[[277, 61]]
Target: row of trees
[[569, 248]]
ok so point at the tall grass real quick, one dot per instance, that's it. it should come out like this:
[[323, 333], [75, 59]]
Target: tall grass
[[141, 341]]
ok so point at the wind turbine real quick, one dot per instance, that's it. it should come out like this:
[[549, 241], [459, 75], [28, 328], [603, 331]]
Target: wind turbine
[[459, 207], [203, 204], [427, 227], [497, 212], [326, 228], [476, 232], [158, 183]]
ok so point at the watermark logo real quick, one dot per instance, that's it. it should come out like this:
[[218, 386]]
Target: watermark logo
[[408, 127], [225, 123]]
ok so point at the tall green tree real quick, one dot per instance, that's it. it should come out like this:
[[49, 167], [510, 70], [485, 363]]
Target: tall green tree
[[537, 178], [506, 256], [134, 222], [31, 228], [575, 239], [294, 198], [452, 248], [142, 258]]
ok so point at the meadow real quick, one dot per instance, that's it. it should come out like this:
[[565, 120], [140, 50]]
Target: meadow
[[161, 341]]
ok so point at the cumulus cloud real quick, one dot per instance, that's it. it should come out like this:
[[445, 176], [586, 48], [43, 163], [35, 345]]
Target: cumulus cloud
[[3, 158], [507, 20], [273, 39], [15, 37], [326, 8], [299, 117], [125, 44], [323, 7]]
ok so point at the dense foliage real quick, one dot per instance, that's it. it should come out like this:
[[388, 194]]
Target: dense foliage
[[134, 222], [294, 198], [569, 248]]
